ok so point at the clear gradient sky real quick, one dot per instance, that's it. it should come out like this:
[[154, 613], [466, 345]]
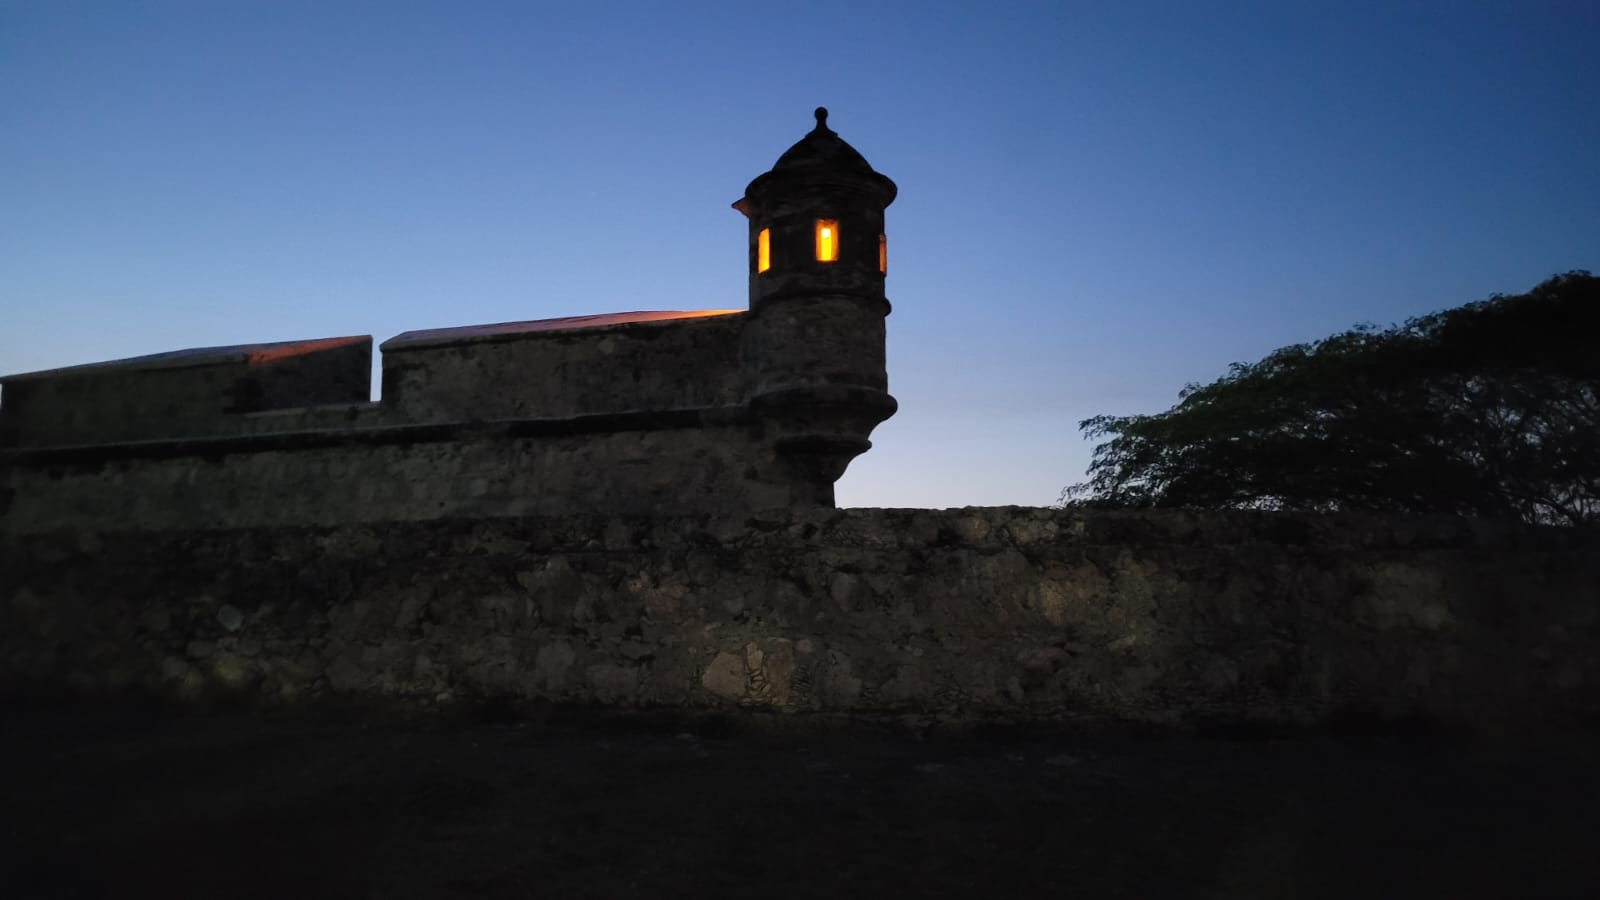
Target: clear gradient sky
[[1099, 201]]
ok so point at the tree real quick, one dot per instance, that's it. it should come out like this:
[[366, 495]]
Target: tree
[[1490, 409]]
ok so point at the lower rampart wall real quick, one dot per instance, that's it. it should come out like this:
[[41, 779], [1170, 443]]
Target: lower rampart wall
[[1020, 615]]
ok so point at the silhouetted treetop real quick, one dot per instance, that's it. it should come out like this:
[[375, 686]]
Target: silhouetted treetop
[[1489, 409]]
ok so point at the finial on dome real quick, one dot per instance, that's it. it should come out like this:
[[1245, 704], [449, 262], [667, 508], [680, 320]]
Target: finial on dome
[[822, 117]]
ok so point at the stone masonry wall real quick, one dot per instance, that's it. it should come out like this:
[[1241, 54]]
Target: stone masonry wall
[[336, 479], [190, 394], [688, 363], [1022, 615]]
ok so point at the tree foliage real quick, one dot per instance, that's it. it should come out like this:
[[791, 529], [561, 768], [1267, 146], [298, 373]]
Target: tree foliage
[[1490, 409]]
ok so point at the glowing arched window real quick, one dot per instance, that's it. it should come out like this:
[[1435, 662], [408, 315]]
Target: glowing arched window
[[764, 250], [827, 240], [883, 254]]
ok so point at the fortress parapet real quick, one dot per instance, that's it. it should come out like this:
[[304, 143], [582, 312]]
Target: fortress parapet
[[189, 393], [654, 412]]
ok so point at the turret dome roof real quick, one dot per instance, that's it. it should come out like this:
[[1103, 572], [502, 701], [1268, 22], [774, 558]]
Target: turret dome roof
[[821, 148]]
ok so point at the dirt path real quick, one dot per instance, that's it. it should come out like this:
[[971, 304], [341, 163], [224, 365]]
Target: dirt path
[[119, 804]]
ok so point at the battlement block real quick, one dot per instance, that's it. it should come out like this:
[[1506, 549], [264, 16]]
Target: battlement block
[[184, 392]]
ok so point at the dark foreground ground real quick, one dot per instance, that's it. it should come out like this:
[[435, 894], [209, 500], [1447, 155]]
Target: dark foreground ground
[[107, 803]]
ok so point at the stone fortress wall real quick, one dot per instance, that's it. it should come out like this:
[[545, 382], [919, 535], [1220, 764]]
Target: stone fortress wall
[[663, 412], [631, 414], [1162, 619]]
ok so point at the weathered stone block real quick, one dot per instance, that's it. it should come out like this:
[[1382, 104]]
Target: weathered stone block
[[725, 676]]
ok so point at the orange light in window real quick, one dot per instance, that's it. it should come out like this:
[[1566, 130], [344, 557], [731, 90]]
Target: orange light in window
[[764, 250], [883, 254], [827, 240]]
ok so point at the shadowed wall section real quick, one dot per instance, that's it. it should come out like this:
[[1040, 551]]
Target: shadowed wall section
[[1008, 614]]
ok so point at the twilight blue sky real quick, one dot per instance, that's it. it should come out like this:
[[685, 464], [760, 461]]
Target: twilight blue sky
[[1098, 201]]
